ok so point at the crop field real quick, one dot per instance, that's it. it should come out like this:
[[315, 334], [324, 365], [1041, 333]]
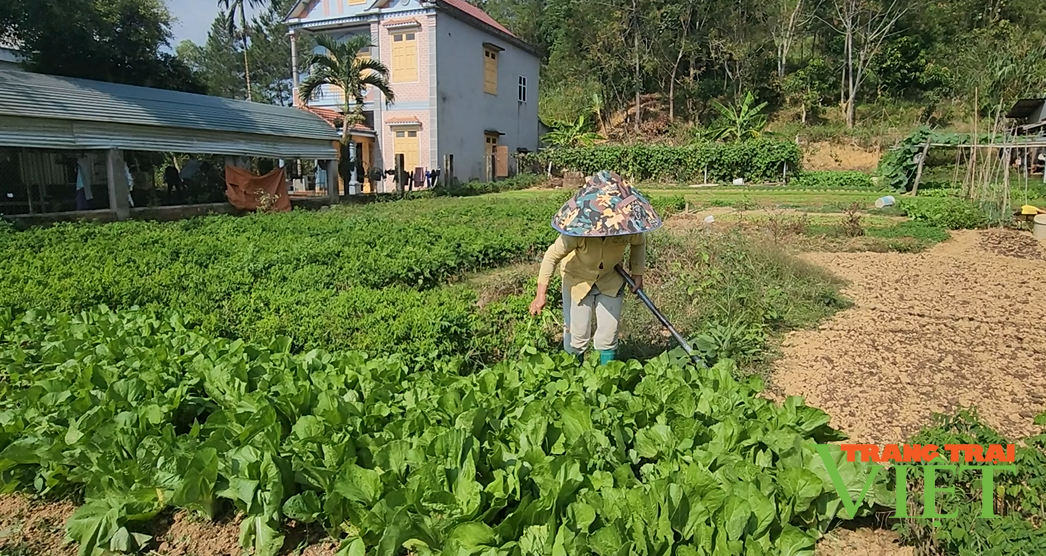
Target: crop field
[[366, 381]]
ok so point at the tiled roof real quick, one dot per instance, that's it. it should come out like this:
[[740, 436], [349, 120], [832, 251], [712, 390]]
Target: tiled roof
[[477, 13], [332, 117], [406, 120]]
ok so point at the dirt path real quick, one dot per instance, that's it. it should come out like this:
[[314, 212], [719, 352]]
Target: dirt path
[[957, 325]]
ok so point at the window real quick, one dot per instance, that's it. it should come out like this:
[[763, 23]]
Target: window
[[404, 57], [490, 70], [522, 95]]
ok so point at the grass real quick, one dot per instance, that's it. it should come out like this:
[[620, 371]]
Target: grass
[[732, 293]]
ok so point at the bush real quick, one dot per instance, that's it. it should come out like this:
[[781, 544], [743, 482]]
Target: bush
[[833, 180], [515, 183], [1018, 496], [726, 292], [755, 161], [948, 213]]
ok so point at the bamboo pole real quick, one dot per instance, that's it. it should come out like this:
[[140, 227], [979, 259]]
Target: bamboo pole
[[919, 170]]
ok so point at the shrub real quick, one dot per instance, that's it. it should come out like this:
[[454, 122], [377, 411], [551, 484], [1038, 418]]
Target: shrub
[[756, 161], [515, 183], [949, 213], [1018, 496]]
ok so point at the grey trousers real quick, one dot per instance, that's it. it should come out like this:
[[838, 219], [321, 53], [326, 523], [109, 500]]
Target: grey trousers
[[577, 321]]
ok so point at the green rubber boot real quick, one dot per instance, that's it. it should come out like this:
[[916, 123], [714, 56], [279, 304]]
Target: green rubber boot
[[606, 356]]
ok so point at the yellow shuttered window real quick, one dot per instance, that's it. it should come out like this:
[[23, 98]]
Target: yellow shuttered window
[[404, 57], [490, 71]]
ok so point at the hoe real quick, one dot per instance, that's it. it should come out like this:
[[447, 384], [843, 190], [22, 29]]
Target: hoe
[[664, 322]]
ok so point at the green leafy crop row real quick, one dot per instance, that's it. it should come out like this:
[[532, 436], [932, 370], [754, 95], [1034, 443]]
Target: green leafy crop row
[[370, 278], [947, 212], [139, 414], [833, 180], [756, 161]]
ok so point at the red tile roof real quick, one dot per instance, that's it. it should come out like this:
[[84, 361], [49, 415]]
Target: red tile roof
[[404, 120], [477, 13], [333, 117]]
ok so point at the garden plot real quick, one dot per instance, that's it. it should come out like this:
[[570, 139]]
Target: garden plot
[[930, 332]]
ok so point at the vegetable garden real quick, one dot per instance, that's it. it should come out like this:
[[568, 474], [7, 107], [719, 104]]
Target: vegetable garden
[[338, 371]]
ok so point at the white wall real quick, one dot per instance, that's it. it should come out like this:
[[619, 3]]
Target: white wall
[[465, 111]]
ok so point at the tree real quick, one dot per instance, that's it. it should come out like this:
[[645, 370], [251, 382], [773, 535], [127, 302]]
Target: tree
[[239, 8], [270, 51], [120, 41], [216, 60], [340, 66], [864, 25], [792, 18]]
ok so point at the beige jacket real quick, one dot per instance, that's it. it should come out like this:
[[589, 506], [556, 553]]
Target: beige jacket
[[589, 261]]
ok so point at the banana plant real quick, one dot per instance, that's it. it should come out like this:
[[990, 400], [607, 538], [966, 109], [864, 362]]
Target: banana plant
[[739, 121], [571, 134]]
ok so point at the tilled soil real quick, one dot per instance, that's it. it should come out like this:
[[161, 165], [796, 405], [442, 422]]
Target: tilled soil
[[1012, 243], [955, 326]]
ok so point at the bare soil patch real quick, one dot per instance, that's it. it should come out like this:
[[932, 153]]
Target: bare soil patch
[[864, 541], [954, 326], [829, 156], [1012, 243], [38, 528]]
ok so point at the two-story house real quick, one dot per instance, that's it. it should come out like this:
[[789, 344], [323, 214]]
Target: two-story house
[[464, 85]]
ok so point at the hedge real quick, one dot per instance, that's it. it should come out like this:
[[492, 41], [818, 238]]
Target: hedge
[[755, 161]]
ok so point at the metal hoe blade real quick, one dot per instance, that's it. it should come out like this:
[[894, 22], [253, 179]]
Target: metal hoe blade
[[664, 322]]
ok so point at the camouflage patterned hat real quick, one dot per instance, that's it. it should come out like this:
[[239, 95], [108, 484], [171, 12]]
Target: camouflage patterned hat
[[606, 206]]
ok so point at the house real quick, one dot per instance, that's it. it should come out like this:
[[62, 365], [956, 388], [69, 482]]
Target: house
[[10, 57], [466, 88], [1028, 115]]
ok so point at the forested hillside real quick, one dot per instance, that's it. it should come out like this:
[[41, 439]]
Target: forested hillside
[[650, 65]]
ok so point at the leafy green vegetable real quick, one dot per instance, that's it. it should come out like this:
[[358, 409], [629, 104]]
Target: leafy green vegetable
[[538, 456]]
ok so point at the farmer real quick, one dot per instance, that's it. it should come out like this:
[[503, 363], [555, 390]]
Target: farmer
[[604, 217]]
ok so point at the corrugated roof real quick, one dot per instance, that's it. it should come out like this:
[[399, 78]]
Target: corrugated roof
[[1024, 108], [37, 95]]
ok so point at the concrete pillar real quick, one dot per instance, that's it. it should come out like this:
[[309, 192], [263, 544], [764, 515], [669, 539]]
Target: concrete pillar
[[332, 181], [294, 67], [118, 190]]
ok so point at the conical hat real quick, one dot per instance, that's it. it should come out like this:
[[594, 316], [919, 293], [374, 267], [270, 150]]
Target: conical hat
[[606, 206]]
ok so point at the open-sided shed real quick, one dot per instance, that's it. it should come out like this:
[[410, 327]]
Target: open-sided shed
[[56, 113]]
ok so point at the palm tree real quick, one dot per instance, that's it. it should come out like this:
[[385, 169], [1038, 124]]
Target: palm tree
[[239, 7], [340, 66]]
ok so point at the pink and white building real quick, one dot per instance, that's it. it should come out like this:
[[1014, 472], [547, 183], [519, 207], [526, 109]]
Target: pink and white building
[[464, 85]]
